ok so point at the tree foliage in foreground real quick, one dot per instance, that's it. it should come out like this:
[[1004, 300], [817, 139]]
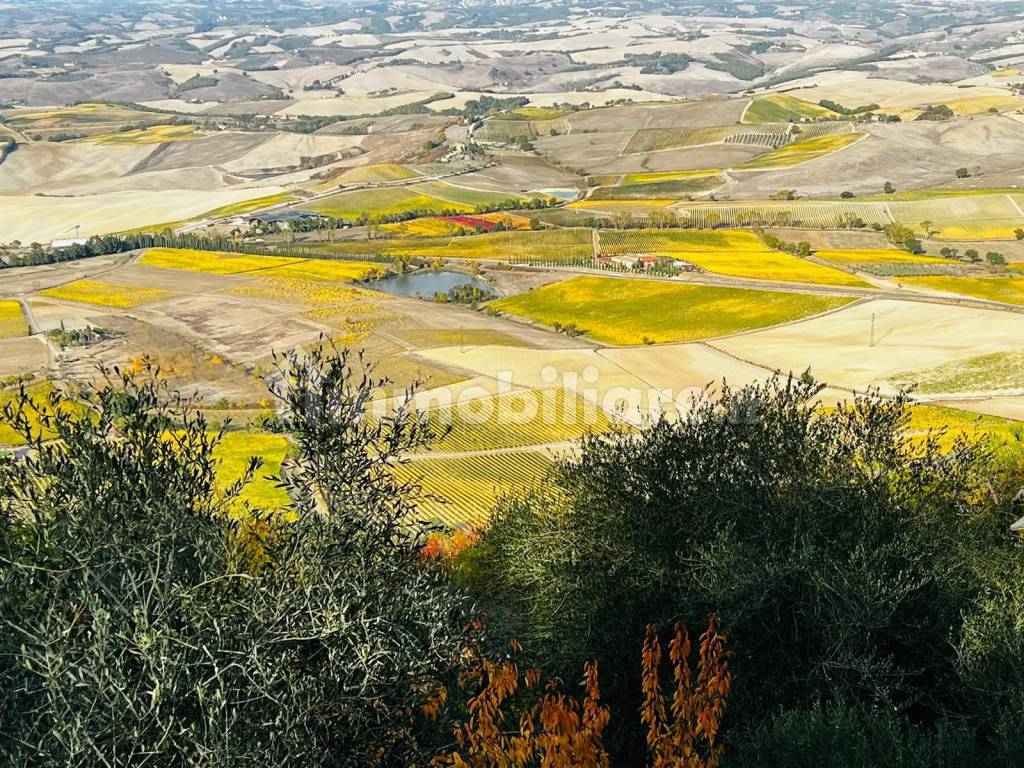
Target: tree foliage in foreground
[[848, 562], [146, 621]]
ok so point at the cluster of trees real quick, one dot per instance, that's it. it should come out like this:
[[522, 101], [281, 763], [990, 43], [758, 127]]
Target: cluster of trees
[[902, 235], [472, 295], [850, 111], [994, 258], [801, 249], [936, 112], [659, 63], [106, 245], [81, 337], [866, 601]]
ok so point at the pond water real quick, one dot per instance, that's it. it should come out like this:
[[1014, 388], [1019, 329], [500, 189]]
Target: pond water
[[426, 283]]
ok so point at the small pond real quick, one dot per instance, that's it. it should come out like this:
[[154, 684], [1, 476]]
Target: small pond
[[426, 283]]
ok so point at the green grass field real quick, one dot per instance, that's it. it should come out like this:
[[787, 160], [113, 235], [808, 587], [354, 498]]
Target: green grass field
[[106, 294], [380, 202], [462, 195], [780, 108], [631, 179], [800, 152], [624, 311], [12, 321], [655, 190], [233, 454], [1009, 290], [551, 244], [374, 173], [985, 373]]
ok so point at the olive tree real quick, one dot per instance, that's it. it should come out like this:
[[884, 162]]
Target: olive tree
[[149, 618]]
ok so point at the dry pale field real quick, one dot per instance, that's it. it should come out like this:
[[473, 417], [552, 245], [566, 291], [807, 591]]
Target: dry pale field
[[18, 355], [911, 155], [41, 219], [908, 336], [897, 95]]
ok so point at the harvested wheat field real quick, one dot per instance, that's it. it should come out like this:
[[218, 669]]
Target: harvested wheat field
[[873, 341]]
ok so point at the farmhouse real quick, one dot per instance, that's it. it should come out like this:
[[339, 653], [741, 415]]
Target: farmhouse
[[279, 217], [647, 261]]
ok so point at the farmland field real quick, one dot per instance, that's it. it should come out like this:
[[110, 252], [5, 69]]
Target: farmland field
[[515, 420], [628, 312], [498, 130], [465, 488], [985, 373], [660, 189], [376, 173], [155, 135], [727, 252], [801, 152], [855, 256], [541, 245], [232, 455], [1009, 290], [106, 294], [381, 202], [816, 215], [88, 118], [12, 322], [459, 196], [780, 108], [655, 139], [631, 179], [214, 262]]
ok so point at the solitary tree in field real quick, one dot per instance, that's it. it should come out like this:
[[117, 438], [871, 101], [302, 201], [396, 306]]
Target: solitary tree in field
[[962, 173], [889, 188]]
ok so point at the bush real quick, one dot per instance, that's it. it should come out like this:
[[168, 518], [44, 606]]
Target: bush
[[150, 619], [842, 556]]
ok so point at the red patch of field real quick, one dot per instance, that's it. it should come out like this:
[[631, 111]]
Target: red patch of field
[[471, 222]]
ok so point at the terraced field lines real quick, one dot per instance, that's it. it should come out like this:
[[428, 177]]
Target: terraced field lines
[[629, 312], [657, 139], [12, 321], [466, 488], [516, 420], [106, 294]]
